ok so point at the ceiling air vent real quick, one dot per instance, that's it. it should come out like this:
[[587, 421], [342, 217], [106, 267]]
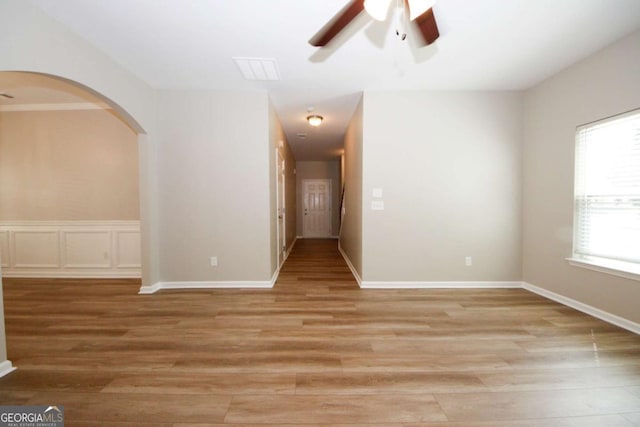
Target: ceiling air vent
[[263, 69]]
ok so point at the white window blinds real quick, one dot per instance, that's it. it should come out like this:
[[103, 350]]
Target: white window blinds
[[607, 189]]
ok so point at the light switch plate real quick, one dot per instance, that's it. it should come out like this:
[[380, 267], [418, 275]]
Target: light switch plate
[[377, 192]]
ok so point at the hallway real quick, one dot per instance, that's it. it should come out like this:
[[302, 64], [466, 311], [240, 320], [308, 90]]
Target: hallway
[[315, 350], [315, 265]]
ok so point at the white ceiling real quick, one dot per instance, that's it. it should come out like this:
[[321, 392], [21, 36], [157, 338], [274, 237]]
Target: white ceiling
[[484, 45]]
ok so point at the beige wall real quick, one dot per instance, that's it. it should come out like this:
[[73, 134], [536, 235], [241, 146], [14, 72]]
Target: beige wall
[[216, 184], [605, 84], [351, 230], [320, 170], [67, 165], [449, 165]]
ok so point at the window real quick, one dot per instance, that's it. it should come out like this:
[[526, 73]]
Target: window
[[607, 194]]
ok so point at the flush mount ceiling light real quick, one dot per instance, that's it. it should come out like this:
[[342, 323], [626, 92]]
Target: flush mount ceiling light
[[315, 120]]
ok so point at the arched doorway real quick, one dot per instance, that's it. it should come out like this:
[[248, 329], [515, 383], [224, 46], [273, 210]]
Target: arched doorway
[[69, 199], [14, 82]]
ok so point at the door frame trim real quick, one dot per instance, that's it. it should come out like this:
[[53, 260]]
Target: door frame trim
[[281, 225]]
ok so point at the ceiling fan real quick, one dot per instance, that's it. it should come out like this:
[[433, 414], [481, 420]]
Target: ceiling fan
[[420, 14]]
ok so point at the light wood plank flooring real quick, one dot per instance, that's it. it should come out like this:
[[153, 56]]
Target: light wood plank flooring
[[315, 350]]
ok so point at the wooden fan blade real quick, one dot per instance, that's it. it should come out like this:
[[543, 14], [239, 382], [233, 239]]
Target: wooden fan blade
[[427, 26], [337, 23]]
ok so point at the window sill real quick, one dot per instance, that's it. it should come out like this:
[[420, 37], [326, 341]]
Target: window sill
[[621, 269]]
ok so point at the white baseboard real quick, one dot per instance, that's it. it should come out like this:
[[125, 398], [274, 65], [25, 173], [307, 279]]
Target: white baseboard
[[287, 252], [55, 274], [6, 367], [422, 285], [577, 305], [585, 308], [150, 289], [440, 285], [274, 278], [289, 249], [350, 265]]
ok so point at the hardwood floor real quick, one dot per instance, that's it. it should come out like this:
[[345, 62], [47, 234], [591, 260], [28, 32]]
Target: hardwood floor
[[315, 350]]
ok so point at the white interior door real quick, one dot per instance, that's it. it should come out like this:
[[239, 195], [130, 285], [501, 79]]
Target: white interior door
[[281, 212], [316, 218]]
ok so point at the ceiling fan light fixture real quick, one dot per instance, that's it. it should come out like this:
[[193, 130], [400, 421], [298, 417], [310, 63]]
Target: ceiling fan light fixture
[[315, 120], [418, 7], [377, 9]]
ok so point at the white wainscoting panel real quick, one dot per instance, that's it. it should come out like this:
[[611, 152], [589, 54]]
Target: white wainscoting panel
[[4, 249], [86, 249], [38, 248], [128, 249], [70, 248]]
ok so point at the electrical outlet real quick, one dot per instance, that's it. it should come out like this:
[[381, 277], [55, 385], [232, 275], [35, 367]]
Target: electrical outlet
[[468, 261], [214, 261]]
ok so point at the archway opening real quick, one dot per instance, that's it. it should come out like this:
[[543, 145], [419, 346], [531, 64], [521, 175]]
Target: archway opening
[[70, 180]]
